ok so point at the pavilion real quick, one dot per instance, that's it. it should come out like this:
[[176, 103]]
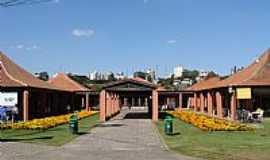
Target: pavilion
[[36, 98], [248, 88], [80, 95]]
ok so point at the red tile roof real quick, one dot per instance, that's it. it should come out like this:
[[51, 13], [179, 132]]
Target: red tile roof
[[256, 74], [204, 84], [12, 75], [138, 79], [132, 80], [64, 82]]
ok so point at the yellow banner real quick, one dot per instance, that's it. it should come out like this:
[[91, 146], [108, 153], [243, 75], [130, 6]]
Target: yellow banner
[[243, 93]]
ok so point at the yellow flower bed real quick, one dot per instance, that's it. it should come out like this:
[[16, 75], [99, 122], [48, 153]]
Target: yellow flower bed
[[209, 123], [45, 123]]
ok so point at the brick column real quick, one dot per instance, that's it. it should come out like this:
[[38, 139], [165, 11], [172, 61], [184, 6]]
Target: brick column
[[180, 101], [190, 102], [25, 105], [83, 102], [201, 102], [168, 100], [209, 104], [219, 104], [233, 106], [154, 105], [102, 106], [118, 103], [114, 103], [87, 106], [110, 104], [198, 103], [195, 102]]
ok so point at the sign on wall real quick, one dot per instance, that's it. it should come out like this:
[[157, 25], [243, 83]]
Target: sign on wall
[[243, 93], [8, 98]]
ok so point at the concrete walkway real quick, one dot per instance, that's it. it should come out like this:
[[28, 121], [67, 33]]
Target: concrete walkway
[[118, 139]]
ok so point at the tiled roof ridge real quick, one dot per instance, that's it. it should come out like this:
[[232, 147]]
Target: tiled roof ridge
[[25, 79], [203, 84], [262, 61], [129, 80], [10, 76], [74, 82], [62, 76]]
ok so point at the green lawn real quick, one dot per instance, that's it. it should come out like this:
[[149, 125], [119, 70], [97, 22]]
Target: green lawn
[[55, 136], [188, 140]]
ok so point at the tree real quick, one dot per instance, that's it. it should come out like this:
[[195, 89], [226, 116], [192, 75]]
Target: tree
[[212, 74], [190, 74], [9, 3], [140, 74], [111, 77], [42, 75]]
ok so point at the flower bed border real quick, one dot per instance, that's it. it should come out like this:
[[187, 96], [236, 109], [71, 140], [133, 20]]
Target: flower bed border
[[207, 123], [47, 122]]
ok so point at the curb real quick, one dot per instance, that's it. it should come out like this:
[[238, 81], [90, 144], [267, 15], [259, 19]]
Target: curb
[[160, 137], [166, 147]]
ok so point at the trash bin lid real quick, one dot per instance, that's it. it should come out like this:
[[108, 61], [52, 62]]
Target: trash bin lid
[[168, 117], [73, 117]]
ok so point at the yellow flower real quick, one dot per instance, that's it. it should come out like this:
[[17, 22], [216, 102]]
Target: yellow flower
[[45, 123], [209, 123]]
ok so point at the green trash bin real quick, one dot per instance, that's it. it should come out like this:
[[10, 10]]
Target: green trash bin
[[73, 124], [168, 127]]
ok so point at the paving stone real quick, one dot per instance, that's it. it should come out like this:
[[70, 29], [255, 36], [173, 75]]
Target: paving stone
[[118, 139]]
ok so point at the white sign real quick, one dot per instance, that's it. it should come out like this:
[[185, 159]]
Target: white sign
[[8, 98]]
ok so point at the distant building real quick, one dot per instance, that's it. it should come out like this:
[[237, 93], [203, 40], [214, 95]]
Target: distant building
[[176, 82], [151, 73], [42, 75], [169, 75], [202, 75], [187, 81], [120, 75], [94, 75], [178, 71]]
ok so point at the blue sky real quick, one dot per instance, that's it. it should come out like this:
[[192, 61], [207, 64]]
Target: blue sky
[[125, 35]]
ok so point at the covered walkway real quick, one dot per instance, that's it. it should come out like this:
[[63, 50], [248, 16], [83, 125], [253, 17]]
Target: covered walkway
[[138, 93]]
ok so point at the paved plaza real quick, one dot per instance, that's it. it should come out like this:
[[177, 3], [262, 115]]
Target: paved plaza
[[120, 138]]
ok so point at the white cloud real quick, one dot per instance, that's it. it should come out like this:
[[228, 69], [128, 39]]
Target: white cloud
[[83, 32], [26, 47], [33, 47], [172, 41], [20, 46]]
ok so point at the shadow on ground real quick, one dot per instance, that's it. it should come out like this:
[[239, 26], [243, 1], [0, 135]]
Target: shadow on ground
[[110, 125], [162, 115], [137, 115], [24, 139]]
